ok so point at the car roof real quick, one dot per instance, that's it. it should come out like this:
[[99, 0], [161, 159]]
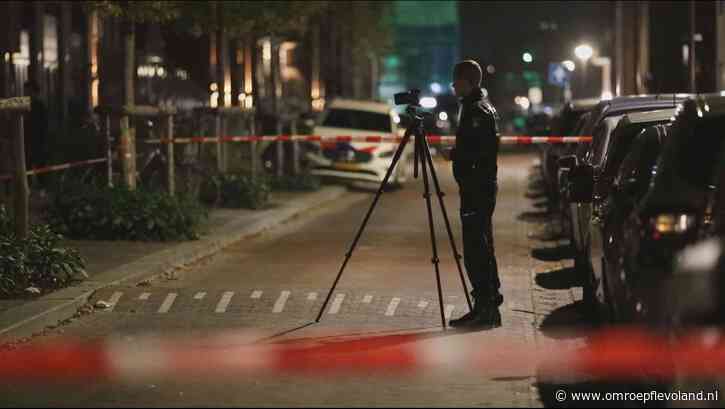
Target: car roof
[[361, 105], [626, 103], [583, 104], [651, 116]]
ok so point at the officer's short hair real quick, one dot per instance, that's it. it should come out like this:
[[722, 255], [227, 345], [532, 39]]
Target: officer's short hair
[[468, 70]]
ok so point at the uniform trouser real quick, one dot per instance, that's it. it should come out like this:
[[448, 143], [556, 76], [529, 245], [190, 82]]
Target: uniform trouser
[[477, 206]]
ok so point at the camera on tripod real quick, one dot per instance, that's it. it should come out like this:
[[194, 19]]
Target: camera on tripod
[[411, 97]]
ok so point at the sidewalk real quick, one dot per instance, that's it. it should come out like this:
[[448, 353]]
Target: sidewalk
[[115, 262]]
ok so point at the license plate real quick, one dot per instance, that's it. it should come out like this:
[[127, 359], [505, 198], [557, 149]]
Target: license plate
[[345, 166]]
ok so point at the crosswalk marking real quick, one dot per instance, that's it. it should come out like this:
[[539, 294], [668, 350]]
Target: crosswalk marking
[[311, 296], [422, 304], [224, 302], [279, 304], [168, 302], [392, 307], [256, 294], [114, 300], [144, 296], [336, 304], [449, 310], [200, 296], [367, 298]]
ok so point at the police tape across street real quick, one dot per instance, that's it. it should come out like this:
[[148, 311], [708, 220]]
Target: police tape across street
[[435, 139]]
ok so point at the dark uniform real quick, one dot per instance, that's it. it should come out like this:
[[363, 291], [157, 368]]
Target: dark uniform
[[475, 169]]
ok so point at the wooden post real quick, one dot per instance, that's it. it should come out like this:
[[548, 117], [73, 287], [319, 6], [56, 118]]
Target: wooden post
[[21, 180], [219, 147], [109, 150], [253, 147], [170, 155], [280, 149], [125, 150], [295, 149]]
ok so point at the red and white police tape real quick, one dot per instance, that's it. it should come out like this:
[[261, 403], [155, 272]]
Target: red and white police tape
[[442, 139], [53, 168], [623, 353]]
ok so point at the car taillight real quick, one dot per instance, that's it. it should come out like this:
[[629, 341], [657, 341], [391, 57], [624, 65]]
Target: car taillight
[[668, 224]]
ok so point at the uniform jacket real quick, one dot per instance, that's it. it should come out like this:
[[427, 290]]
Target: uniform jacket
[[477, 140]]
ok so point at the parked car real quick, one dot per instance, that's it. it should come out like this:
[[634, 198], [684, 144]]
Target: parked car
[[674, 211], [602, 121], [563, 124], [361, 161], [595, 185]]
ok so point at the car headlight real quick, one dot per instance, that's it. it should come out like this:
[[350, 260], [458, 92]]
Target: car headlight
[[672, 223]]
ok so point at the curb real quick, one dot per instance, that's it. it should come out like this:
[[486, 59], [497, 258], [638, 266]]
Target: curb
[[34, 316]]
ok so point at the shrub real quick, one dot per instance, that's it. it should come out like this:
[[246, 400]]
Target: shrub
[[37, 261], [117, 213], [236, 190], [301, 182]]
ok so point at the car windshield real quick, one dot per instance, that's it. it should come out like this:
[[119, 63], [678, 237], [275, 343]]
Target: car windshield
[[357, 119]]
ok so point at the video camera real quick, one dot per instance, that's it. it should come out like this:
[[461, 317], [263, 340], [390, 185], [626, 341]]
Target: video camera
[[411, 97]]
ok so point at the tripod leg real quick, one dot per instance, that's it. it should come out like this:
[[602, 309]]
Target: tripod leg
[[396, 158], [440, 194], [426, 195]]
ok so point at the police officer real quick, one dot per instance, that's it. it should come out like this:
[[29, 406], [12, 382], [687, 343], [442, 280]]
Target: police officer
[[474, 168]]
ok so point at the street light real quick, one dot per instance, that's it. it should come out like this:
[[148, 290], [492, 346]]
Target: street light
[[584, 52], [569, 65], [527, 57]]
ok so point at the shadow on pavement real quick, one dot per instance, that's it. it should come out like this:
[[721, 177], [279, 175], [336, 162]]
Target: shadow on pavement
[[568, 321], [561, 279], [535, 217], [557, 253]]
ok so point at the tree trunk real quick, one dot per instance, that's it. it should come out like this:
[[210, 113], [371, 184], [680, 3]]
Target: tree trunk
[[128, 137], [64, 61]]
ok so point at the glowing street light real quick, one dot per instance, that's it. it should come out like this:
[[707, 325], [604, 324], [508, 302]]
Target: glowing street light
[[584, 52], [569, 65], [527, 57]]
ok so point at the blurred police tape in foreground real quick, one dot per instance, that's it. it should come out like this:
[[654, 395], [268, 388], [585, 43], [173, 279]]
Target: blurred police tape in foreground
[[617, 353]]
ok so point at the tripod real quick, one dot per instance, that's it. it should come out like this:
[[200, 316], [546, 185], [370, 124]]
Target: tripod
[[423, 158]]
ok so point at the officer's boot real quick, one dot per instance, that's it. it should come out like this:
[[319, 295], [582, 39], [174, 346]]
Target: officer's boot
[[486, 314]]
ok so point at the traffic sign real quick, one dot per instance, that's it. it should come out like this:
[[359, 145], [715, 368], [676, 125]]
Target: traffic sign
[[558, 74]]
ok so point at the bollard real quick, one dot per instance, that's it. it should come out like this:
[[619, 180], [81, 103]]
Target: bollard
[[170, 169]]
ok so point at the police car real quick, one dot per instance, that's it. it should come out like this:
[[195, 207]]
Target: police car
[[360, 161]]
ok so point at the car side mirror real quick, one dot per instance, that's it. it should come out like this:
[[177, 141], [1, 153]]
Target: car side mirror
[[567, 162], [581, 184]]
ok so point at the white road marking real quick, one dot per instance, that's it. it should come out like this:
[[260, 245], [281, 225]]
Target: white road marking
[[422, 304], [144, 296], [449, 310], [392, 307], [200, 296], [114, 300], [279, 304], [336, 304], [311, 296], [367, 298], [256, 294], [168, 302], [224, 302]]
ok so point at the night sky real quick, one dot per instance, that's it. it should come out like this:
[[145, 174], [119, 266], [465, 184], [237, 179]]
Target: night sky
[[498, 32]]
